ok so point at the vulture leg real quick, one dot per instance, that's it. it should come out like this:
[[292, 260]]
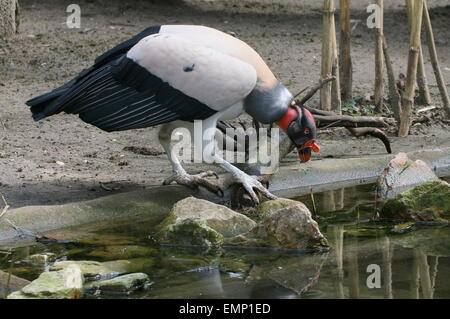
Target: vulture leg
[[179, 174], [250, 183]]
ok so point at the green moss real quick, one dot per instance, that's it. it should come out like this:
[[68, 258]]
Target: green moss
[[429, 201], [273, 205], [190, 232]]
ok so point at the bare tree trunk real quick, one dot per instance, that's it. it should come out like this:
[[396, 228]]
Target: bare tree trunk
[[327, 54], [379, 68], [408, 95], [9, 17], [345, 63], [336, 102], [434, 60], [424, 97], [394, 96]]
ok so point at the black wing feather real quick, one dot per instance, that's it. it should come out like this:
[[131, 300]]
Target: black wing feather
[[118, 94]]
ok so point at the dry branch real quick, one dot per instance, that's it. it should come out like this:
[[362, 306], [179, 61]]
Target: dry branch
[[336, 102], [394, 96], [345, 63], [434, 60], [315, 88], [424, 97], [379, 81], [327, 53], [408, 95]]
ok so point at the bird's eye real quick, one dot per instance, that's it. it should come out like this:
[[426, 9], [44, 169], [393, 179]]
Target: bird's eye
[[306, 131]]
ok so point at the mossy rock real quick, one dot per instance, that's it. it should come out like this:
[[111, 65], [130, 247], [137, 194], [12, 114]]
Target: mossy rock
[[197, 222], [273, 205], [426, 202], [190, 232], [125, 284], [63, 284], [94, 270], [284, 224]]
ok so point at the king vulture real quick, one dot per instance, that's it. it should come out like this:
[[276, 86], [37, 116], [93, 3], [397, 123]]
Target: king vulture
[[176, 74]]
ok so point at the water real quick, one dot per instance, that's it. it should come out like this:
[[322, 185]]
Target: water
[[415, 264]]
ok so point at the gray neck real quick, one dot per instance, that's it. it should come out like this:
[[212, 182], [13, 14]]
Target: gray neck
[[268, 105]]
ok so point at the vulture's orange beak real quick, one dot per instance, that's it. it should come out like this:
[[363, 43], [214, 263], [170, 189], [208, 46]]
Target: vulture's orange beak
[[304, 152]]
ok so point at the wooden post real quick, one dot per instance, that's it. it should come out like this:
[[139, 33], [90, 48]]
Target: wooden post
[[327, 54], [434, 60], [408, 95], [336, 102], [424, 97], [394, 96], [379, 68], [9, 17], [345, 63]]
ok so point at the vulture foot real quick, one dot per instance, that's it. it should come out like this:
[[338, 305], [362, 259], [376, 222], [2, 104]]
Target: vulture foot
[[250, 184], [194, 181]]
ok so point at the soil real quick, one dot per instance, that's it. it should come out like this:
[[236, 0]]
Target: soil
[[62, 159]]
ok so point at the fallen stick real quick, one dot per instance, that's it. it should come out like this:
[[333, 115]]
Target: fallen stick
[[355, 131]]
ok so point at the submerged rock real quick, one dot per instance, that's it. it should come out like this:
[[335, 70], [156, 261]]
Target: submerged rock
[[199, 222], [63, 284], [94, 270], [119, 285], [402, 174], [10, 283], [284, 224], [426, 202]]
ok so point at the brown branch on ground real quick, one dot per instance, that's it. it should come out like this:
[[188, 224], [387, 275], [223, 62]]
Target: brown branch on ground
[[372, 131]]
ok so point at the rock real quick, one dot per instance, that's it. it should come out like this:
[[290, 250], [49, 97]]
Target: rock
[[402, 174], [284, 224], [93, 270], [63, 284], [42, 259], [10, 283], [190, 232], [426, 202], [296, 274], [199, 222], [123, 284]]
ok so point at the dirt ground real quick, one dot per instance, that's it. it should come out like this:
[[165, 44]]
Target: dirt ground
[[62, 159]]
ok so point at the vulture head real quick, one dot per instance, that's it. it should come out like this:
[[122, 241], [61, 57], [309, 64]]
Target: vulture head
[[300, 127]]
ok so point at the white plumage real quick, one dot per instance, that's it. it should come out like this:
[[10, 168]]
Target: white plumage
[[214, 78]]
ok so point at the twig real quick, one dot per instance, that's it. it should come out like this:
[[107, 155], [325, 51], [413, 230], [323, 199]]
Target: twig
[[316, 88], [5, 209]]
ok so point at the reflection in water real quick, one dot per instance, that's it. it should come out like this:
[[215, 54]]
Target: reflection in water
[[413, 265]]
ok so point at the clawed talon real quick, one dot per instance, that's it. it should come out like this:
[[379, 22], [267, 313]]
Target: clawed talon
[[194, 181], [250, 184]]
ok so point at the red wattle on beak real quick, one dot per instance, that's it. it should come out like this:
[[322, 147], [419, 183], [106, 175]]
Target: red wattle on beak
[[304, 152]]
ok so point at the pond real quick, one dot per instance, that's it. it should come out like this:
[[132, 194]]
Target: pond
[[367, 259]]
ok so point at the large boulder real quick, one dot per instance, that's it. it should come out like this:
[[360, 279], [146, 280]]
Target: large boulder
[[284, 224], [426, 202], [199, 222], [63, 284], [402, 174]]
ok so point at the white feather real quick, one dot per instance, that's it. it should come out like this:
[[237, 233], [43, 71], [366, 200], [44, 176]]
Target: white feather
[[217, 79]]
